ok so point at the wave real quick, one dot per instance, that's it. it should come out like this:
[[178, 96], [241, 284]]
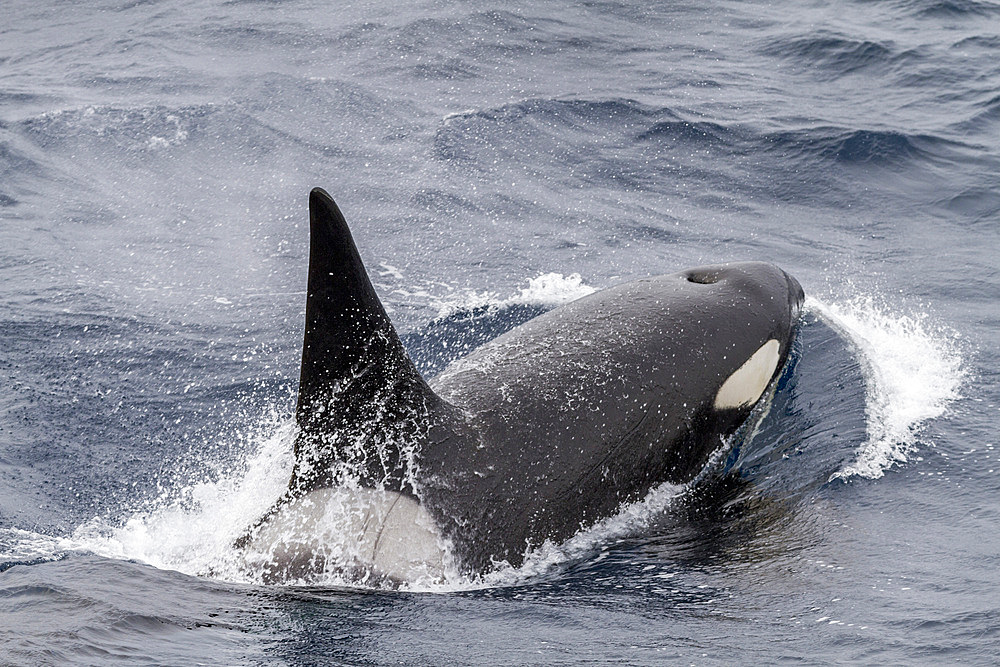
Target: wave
[[693, 133], [547, 290], [126, 128], [985, 117], [914, 372], [633, 145], [467, 319], [305, 113], [490, 36], [534, 133], [980, 204], [857, 147], [15, 161], [989, 43], [958, 9], [837, 55]]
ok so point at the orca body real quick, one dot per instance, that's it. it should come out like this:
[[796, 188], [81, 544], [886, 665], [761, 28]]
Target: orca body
[[549, 428]]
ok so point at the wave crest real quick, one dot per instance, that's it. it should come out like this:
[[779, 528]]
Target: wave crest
[[914, 372]]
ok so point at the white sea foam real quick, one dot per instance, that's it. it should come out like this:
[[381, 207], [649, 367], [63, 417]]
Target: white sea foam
[[913, 370], [546, 290], [553, 289], [192, 529]]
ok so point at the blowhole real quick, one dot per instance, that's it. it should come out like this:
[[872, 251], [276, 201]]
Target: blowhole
[[703, 277]]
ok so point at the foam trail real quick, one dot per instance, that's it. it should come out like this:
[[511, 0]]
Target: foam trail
[[914, 371]]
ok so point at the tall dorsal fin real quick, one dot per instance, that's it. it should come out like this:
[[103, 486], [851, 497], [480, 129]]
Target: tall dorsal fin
[[357, 383], [343, 313]]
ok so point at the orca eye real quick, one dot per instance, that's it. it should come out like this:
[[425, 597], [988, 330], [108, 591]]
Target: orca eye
[[703, 276]]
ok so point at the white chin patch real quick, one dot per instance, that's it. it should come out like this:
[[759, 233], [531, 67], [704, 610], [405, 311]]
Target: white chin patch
[[746, 385]]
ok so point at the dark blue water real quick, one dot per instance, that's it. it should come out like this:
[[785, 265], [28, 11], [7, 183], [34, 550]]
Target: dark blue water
[[155, 161]]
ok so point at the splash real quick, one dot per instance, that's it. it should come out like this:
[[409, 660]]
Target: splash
[[630, 519], [547, 290], [193, 527], [553, 289], [914, 372], [190, 528], [193, 531]]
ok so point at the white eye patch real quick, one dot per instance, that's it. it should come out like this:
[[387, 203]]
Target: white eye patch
[[750, 380], [386, 530]]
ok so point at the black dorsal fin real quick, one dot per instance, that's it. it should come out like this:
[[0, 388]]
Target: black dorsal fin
[[357, 384]]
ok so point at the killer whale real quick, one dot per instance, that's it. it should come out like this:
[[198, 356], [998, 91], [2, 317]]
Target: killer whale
[[548, 428]]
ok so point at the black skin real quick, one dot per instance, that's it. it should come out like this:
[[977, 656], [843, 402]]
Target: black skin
[[550, 427]]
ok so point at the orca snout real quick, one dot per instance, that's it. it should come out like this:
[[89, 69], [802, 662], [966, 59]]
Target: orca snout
[[796, 295], [761, 278]]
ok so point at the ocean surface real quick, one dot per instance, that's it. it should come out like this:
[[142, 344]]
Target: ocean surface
[[495, 161]]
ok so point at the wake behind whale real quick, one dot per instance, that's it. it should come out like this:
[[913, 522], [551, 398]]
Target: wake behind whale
[[551, 427]]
